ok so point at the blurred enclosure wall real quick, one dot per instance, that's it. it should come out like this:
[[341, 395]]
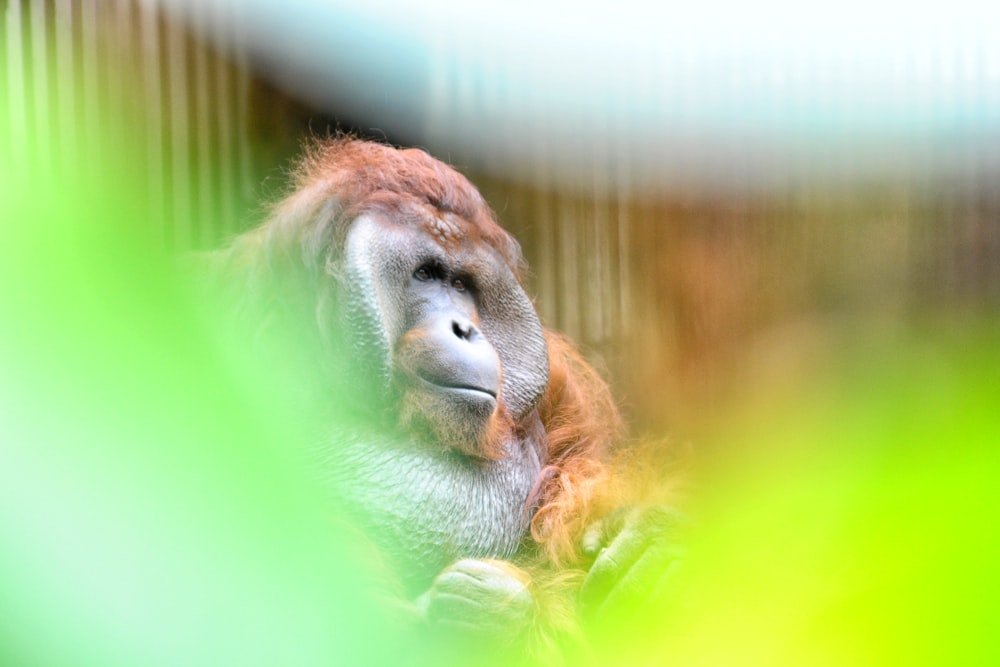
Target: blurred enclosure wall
[[685, 292]]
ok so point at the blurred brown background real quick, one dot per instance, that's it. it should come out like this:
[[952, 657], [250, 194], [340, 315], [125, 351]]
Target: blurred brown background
[[693, 297]]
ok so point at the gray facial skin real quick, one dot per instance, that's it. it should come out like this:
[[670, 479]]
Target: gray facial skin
[[454, 341]]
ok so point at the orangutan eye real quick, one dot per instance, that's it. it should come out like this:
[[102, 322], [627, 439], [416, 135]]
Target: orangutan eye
[[424, 273], [458, 284]]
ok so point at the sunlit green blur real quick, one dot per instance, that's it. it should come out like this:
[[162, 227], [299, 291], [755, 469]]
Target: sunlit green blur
[[150, 510], [852, 522]]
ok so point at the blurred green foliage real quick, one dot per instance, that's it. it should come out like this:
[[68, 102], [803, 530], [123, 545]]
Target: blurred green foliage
[[151, 511], [853, 524]]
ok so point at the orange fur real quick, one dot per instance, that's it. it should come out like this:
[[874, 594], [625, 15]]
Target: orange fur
[[341, 178], [582, 424]]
